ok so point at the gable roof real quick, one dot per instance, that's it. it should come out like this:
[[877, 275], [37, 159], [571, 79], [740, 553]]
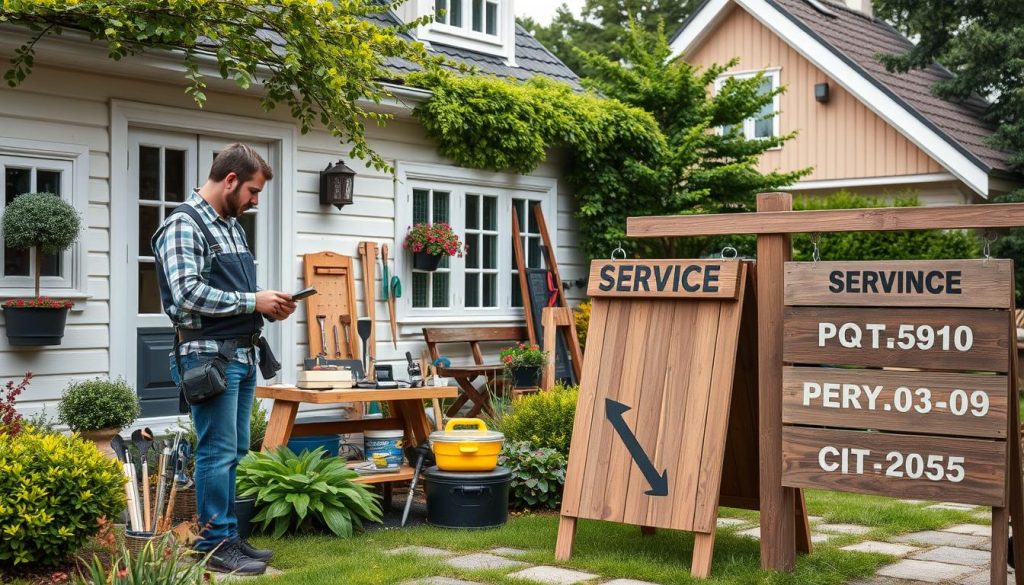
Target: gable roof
[[843, 43]]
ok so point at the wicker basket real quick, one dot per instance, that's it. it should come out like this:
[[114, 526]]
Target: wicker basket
[[184, 504], [135, 543]]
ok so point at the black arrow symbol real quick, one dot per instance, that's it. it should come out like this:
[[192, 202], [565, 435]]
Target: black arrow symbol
[[659, 483]]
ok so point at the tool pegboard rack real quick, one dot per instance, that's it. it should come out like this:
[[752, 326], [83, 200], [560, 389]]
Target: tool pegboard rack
[[334, 279]]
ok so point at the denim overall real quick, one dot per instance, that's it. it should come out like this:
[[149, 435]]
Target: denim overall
[[222, 423]]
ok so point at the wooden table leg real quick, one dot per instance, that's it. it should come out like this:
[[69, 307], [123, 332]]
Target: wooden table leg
[[279, 427], [414, 420]]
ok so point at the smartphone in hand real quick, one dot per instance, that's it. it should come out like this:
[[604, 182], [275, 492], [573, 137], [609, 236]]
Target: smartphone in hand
[[306, 292]]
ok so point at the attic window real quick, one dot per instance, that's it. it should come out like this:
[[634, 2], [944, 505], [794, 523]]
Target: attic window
[[479, 16]]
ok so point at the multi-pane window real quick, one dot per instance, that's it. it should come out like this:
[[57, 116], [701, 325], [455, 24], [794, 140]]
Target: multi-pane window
[[483, 284], [431, 289], [481, 273], [482, 15], [31, 175], [163, 185], [529, 237], [764, 124]]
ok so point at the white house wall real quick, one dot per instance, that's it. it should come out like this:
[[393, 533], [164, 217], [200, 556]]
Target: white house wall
[[73, 107]]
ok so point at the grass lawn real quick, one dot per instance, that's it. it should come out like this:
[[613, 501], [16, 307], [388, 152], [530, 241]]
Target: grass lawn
[[611, 550]]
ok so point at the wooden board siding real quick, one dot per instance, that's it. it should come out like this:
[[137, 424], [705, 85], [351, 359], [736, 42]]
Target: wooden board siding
[[842, 138], [45, 109]]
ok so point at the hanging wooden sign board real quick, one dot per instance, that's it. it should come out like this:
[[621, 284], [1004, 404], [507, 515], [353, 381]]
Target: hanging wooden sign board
[[657, 401], [937, 432]]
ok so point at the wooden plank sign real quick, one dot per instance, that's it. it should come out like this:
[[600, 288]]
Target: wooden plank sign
[[649, 439], [936, 432]]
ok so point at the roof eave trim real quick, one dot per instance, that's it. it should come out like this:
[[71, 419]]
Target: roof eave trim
[[840, 68]]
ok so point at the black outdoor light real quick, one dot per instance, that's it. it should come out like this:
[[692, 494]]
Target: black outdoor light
[[821, 92], [336, 185]]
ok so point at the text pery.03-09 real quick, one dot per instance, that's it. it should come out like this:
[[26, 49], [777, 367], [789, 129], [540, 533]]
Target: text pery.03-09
[[934, 434]]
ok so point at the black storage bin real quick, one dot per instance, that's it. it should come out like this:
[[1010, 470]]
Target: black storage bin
[[467, 499]]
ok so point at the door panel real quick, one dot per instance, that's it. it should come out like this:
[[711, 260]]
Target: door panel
[[157, 393]]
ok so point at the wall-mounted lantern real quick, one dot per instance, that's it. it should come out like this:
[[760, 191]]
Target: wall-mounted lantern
[[821, 92], [336, 183]]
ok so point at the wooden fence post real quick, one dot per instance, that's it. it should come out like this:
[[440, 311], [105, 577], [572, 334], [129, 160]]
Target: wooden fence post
[[778, 514]]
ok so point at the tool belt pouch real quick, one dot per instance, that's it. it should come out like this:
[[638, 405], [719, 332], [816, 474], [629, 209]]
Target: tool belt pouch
[[208, 379], [269, 366]]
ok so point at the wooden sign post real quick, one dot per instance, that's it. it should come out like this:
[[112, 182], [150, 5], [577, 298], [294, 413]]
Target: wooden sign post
[[656, 416], [874, 426]]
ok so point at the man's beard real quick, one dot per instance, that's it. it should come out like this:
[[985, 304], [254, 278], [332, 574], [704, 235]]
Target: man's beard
[[233, 202]]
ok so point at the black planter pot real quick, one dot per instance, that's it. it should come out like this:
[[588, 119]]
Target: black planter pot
[[33, 326], [245, 509], [424, 261], [525, 377]]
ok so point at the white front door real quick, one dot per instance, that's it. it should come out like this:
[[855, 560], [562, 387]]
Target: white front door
[[163, 169]]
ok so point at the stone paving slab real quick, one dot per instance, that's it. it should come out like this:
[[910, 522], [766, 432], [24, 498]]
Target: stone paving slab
[[927, 571], [820, 537], [886, 548], [627, 582], [728, 522], [982, 578], [843, 528], [972, 529], [553, 575], [508, 551], [754, 533], [815, 519], [955, 556], [423, 551], [943, 539], [439, 581], [952, 506], [271, 572], [478, 561], [912, 502]]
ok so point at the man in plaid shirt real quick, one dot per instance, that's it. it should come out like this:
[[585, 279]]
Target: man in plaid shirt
[[208, 288]]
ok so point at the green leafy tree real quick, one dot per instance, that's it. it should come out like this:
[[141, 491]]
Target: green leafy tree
[[982, 43], [703, 169], [320, 59], [603, 26]]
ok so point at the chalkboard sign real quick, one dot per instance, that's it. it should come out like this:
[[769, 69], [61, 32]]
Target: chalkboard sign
[[537, 285]]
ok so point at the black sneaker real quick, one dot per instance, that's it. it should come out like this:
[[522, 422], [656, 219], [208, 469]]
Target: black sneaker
[[260, 554], [229, 558]]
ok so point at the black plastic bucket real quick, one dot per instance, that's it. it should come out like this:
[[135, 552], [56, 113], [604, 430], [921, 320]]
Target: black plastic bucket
[[467, 499]]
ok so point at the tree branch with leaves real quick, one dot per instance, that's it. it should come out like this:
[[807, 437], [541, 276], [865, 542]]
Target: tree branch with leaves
[[321, 59]]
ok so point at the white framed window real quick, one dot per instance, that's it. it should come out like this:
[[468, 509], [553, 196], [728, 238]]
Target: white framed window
[[766, 123], [482, 286], [478, 16], [484, 26], [29, 166]]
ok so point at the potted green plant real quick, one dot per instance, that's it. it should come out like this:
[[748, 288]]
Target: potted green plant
[[44, 223], [524, 362], [430, 242], [98, 409]]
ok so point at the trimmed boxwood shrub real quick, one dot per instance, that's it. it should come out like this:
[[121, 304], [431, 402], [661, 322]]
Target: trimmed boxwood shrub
[[53, 490], [95, 404], [544, 419]]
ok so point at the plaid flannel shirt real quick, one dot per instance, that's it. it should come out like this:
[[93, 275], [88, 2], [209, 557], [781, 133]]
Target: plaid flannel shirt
[[187, 264]]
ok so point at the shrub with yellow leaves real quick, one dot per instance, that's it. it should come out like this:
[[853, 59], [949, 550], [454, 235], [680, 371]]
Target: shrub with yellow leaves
[[53, 490]]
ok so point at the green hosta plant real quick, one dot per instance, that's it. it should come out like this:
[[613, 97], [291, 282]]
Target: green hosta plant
[[538, 475], [298, 492]]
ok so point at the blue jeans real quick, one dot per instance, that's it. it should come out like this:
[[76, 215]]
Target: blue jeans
[[222, 426]]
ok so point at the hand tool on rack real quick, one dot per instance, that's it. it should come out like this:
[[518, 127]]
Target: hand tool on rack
[[323, 335], [363, 328], [390, 298], [337, 346], [346, 332], [368, 256]]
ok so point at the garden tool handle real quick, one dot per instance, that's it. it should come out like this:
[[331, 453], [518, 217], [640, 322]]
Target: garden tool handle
[[146, 518], [466, 422]]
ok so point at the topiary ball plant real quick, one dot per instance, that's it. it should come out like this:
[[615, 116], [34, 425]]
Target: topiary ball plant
[[43, 221], [54, 489], [98, 404]]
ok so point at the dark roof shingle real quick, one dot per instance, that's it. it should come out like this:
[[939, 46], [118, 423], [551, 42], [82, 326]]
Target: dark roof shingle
[[858, 37]]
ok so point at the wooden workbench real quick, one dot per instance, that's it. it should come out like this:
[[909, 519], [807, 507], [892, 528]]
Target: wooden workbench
[[406, 406]]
